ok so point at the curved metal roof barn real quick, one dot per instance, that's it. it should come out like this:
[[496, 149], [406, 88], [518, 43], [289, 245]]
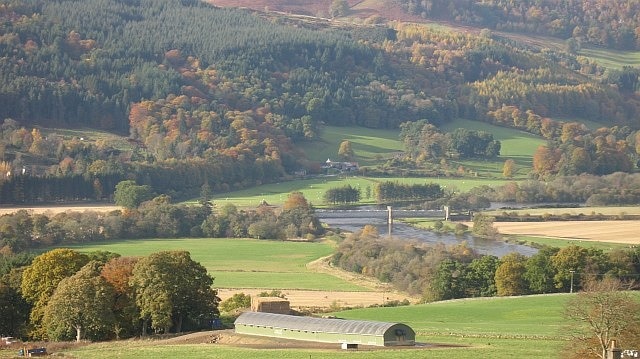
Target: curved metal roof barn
[[325, 330]]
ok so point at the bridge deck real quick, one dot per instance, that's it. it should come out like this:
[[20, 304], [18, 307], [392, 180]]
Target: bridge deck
[[378, 213]]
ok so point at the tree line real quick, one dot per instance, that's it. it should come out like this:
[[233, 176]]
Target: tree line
[[388, 191], [158, 218], [437, 272], [228, 110], [63, 294], [425, 142], [598, 22]]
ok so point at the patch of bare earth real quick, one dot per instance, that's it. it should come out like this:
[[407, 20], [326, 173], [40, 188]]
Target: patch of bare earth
[[626, 232], [229, 337]]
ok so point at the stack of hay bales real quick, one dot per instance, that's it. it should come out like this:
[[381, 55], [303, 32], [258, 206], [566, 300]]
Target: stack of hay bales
[[274, 305]]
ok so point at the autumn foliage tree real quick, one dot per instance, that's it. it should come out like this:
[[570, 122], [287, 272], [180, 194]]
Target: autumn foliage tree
[[81, 306], [170, 288], [599, 314], [510, 279], [41, 278], [118, 272]]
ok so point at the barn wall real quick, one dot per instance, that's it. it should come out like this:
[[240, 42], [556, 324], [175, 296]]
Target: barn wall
[[393, 336], [311, 336]]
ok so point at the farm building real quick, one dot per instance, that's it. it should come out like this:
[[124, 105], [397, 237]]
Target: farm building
[[325, 330]]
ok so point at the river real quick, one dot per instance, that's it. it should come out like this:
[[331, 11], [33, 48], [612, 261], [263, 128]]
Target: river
[[404, 231]]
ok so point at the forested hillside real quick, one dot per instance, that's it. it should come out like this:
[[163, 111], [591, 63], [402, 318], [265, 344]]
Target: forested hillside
[[224, 97], [612, 24]]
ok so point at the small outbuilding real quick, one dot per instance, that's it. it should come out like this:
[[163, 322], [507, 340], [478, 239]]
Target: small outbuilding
[[340, 331]]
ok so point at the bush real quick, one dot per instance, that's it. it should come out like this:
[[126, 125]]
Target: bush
[[237, 301]]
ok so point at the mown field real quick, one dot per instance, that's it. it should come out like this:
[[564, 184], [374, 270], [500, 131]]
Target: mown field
[[370, 146], [242, 263], [610, 58]]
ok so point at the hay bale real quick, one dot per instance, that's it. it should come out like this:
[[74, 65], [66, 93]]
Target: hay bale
[[275, 305]]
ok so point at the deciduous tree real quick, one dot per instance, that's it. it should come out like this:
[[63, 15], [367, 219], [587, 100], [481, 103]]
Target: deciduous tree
[[14, 308], [345, 151], [118, 272], [130, 195], [170, 287], [41, 278], [339, 8], [81, 305], [509, 168], [599, 314], [510, 275]]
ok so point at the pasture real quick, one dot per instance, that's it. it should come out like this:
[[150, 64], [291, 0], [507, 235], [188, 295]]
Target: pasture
[[516, 145], [373, 147], [242, 263], [610, 58], [513, 327], [370, 146], [314, 188]]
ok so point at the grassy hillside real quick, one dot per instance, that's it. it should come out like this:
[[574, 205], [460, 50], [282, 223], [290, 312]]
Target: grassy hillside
[[523, 327], [516, 145], [239, 263], [506, 316], [314, 188], [371, 146], [614, 59]]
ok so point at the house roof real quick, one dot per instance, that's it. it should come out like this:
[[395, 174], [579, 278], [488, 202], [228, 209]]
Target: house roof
[[314, 324]]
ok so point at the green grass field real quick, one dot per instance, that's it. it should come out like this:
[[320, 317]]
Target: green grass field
[[497, 328], [370, 146], [610, 58], [314, 188], [373, 146], [242, 263], [516, 145]]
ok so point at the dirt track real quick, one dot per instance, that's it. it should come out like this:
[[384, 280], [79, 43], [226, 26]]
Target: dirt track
[[229, 337]]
